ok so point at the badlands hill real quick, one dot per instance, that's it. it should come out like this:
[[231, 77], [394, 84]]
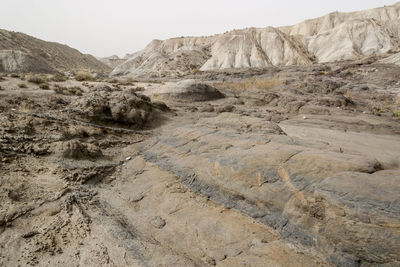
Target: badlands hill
[[334, 37], [112, 61], [23, 53]]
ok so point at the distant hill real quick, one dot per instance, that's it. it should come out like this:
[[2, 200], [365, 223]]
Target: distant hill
[[23, 53], [112, 61], [334, 37]]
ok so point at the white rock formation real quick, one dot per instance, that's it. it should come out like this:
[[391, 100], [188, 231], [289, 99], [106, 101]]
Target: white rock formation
[[256, 48], [393, 59], [336, 36], [351, 40]]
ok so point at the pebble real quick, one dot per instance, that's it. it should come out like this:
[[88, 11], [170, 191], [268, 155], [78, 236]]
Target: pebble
[[158, 222], [136, 198]]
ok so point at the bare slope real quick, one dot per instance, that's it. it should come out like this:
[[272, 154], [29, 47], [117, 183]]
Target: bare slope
[[36, 55], [336, 36]]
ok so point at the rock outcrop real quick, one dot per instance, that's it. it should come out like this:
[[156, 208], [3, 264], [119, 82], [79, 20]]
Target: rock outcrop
[[18, 61], [127, 108], [188, 90], [23, 53], [393, 59], [336, 36], [312, 193]]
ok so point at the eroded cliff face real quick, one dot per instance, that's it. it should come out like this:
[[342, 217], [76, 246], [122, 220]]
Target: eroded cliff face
[[257, 48], [336, 36]]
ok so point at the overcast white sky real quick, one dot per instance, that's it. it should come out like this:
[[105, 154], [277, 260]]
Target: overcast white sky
[[107, 27]]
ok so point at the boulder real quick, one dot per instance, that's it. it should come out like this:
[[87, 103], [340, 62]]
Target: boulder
[[124, 107], [189, 90]]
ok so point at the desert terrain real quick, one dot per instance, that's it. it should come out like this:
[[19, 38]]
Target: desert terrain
[[290, 159]]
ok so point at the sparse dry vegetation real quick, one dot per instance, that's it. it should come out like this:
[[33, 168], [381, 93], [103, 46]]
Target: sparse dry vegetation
[[349, 94], [37, 79], [74, 90], [253, 83], [197, 71], [59, 78], [88, 85], [44, 86], [22, 85], [84, 76]]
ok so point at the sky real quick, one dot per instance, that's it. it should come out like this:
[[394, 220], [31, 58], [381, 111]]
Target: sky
[[116, 27]]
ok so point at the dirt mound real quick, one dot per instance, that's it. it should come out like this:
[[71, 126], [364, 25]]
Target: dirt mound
[[122, 107], [189, 90], [50, 56]]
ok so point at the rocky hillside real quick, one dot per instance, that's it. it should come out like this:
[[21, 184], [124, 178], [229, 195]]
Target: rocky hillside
[[23, 53], [334, 37]]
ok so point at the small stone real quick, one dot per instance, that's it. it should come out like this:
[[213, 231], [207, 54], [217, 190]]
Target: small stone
[[158, 222], [208, 108], [226, 108], [30, 234], [128, 158], [137, 198]]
